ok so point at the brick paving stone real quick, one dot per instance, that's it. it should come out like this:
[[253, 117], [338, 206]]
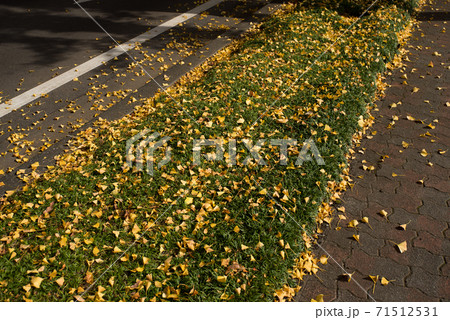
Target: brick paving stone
[[369, 244], [422, 272], [345, 295], [426, 223], [354, 288], [390, 293], [444, 289], [435, 244], [424, 281], [438, 184]]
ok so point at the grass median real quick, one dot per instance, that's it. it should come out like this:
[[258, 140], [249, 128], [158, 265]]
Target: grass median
[[94, 228]]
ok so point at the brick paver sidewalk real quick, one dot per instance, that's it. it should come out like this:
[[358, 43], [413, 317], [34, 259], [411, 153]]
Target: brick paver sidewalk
[[411, 185]]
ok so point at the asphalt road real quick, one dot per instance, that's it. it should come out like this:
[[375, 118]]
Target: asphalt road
[[45, 41]]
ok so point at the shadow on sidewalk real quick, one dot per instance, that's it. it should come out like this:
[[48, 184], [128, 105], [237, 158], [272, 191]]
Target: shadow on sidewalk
[[433, 16]]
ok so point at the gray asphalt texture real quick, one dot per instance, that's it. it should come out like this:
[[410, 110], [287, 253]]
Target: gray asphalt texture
[[42, 39]]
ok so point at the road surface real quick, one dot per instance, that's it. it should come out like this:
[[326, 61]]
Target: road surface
[[61, 67]]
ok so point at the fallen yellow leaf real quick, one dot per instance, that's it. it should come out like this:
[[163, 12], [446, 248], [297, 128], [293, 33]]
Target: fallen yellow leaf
[[366, 220], [383, 213], [63, 242], [424, 153], [403, 226], [348, 276], [60, 281], [402, 247], [374, 279], [36, 282], [323, 259], [384, 281], [35, 165], [117, 249], [319, 298], [353, 224]]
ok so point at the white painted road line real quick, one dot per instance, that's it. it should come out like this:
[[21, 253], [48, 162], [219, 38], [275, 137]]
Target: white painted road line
[[54, 83]]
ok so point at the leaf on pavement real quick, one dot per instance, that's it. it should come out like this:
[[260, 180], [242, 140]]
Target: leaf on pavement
[[318, 298], [402, 247]]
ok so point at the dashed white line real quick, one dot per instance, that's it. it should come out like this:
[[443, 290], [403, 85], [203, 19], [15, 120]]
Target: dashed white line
[[54, 83]]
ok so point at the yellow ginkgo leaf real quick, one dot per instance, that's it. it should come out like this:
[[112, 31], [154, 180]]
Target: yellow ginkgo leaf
[[405, 144], [356, 237], [36, 282], [188, 200], [63, 242], [89, 277], [385, 281], [60, 281], [318, 298], [353, 224], [263, 191], [222, 279], [415, 89], [384, 213], [366, 221], [95, 251], [35, 165], [348, 276], [117, 249], [402, 247], [424, 153], [374, 279], [323, 259], [403, 226]]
